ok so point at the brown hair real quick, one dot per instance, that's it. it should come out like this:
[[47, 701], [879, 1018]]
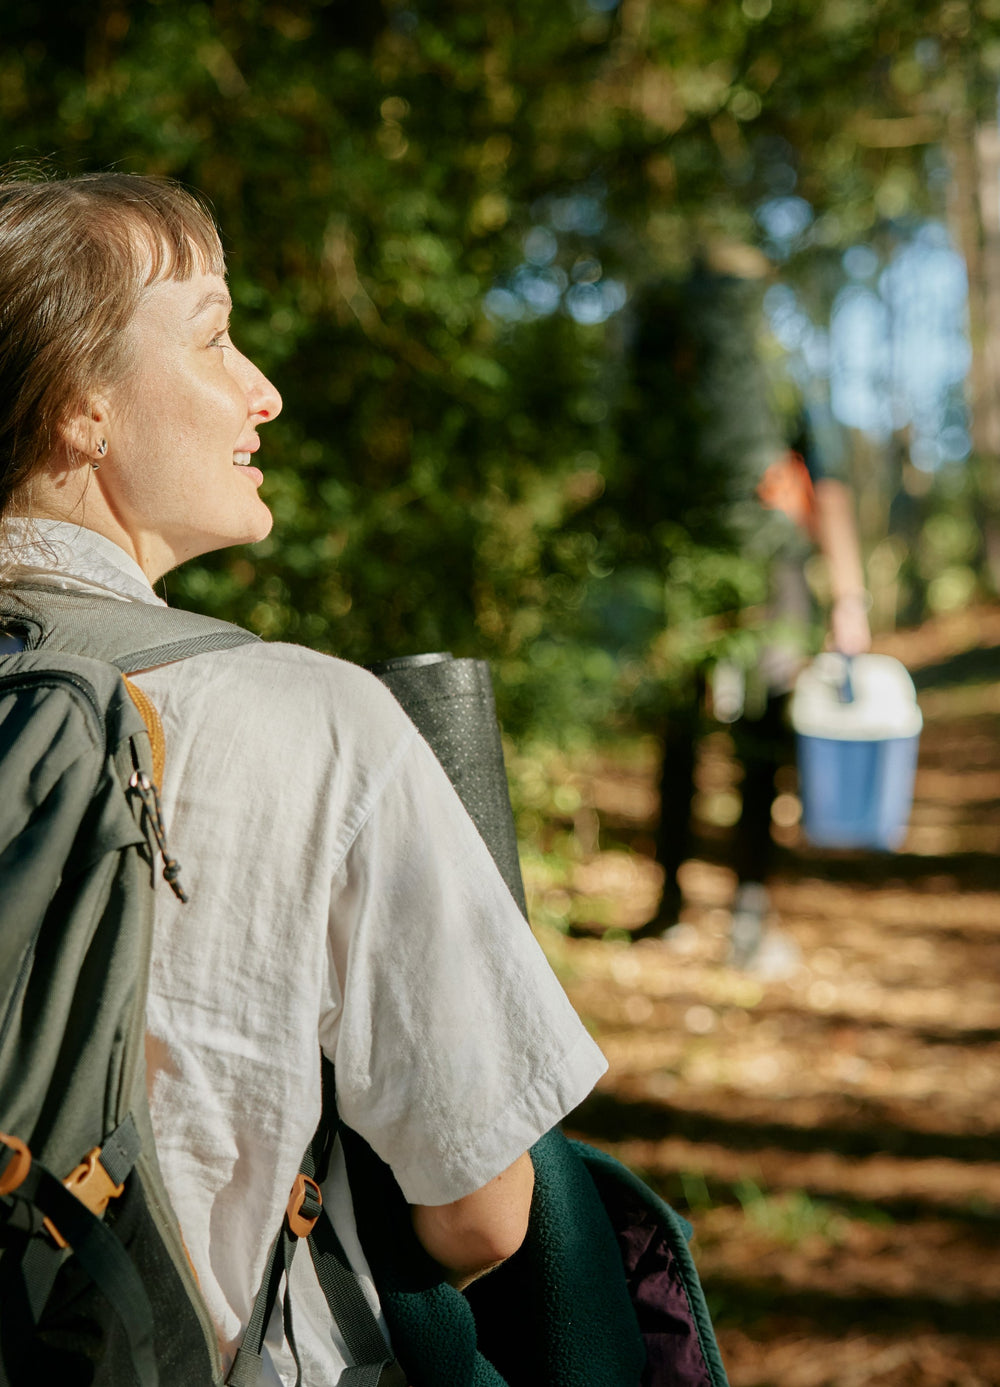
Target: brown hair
[[75, 257]]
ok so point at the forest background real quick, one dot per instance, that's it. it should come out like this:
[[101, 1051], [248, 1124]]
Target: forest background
[[439, 219], [449, 227]]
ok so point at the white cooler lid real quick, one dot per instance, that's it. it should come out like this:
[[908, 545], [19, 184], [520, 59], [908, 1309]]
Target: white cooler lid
[[885, 701]]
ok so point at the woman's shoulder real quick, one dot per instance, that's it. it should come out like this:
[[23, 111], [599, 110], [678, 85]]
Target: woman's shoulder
[[283, 658], [335, 683], [273, 689]]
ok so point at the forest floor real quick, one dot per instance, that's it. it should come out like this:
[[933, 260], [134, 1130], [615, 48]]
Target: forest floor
[[832, 1127]]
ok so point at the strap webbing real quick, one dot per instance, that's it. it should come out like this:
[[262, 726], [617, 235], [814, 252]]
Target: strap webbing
[[129, 635], [103, 1259], [121, 1151], [39, 1269], [249, 1360], [247, 1368], [388, 1374], [42, 1259], [347, 1302]]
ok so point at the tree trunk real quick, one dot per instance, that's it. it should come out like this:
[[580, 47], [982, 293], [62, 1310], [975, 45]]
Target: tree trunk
[[975, 214]]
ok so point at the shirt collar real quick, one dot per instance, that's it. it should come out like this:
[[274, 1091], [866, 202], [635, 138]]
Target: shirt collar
[[64, 555]]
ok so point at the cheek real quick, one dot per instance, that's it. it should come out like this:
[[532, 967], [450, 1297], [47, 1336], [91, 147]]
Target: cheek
[[150, 413], [195, 427], [178, 430]]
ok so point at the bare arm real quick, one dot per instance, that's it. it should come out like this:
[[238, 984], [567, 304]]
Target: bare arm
[[837, 535], [476, 1233]]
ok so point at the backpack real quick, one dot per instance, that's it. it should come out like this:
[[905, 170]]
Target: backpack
[[96, 1288], [88, 1242]]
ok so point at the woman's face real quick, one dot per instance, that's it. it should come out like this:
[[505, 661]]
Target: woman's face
[[182, 429]]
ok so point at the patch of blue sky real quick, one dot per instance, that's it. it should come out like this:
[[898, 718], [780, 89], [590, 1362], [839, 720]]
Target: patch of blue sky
[[900, 350], [861, 361], [541, 289], [784, 221], [861, 262], [582, 213], [789, 323], [502, 305], [540, 246], [589, 303], [539, 286]]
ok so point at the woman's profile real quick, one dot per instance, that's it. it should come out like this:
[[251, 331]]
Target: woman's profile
[[340, 900]]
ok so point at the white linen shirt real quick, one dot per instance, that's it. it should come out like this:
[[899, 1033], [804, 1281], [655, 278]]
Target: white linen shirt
[[341, 897]]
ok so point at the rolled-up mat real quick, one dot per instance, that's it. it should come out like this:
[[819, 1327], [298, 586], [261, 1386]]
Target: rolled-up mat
[[451, 703], [563, 1311]]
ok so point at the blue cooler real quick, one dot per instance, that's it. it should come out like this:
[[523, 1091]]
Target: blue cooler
[[857, 728]]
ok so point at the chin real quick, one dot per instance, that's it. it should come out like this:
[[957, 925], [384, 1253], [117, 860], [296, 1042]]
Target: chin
[[258, 526], [262, 529], [251, 531]]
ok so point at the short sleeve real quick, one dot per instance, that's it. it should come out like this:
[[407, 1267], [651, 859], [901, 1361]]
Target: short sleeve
[[454, 1044]]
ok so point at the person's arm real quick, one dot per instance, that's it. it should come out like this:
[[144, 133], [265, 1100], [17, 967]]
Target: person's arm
[[474, 1234], [837, 536]]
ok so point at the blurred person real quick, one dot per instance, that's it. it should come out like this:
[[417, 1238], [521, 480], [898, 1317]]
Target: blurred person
[[340, 898], [734, 480]]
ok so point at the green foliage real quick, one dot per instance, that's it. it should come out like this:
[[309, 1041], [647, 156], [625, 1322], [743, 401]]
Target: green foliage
[[440, 479], [791, 1217]]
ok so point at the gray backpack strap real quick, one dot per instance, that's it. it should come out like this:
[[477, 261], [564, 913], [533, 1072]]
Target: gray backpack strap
[[129, 635], [305, 1217]]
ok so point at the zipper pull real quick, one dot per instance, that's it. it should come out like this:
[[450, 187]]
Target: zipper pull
[[150, 796]]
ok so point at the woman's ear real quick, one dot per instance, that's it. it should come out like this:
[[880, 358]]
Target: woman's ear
[[84, 434]]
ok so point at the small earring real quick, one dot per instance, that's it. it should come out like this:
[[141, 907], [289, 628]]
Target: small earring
[[102, 447]]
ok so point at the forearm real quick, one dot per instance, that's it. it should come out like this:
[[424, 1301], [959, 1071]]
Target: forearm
[[837, 536], [480, 1231]]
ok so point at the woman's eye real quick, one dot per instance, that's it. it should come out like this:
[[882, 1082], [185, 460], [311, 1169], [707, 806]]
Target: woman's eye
[[219, 340]]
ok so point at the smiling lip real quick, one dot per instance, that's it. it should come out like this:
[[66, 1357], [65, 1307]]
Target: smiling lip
[[242, 456]]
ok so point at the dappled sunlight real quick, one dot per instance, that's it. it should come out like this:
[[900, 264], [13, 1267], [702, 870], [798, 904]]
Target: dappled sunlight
[[833, 1134]]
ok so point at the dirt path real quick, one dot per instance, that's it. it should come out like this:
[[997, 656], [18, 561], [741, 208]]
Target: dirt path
[[835, 1134]]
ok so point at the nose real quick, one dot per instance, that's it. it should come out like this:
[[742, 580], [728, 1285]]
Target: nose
[[263, 400]]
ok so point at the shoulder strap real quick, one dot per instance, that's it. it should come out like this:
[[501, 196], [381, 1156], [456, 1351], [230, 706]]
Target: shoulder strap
[[374, 1365], [129, 635]]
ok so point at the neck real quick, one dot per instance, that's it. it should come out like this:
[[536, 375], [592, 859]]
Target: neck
[[79, 498]]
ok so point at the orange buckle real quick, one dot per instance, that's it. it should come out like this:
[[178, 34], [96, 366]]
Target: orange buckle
[[16, 1170], [302, 1224], [92, 1185]]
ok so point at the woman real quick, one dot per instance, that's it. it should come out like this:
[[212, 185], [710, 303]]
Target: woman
[[338, 892]]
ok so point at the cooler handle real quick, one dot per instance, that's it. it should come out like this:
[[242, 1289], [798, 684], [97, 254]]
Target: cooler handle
[[845, 689]]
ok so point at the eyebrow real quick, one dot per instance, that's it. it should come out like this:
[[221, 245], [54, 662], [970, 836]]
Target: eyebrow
[[214, 298]]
